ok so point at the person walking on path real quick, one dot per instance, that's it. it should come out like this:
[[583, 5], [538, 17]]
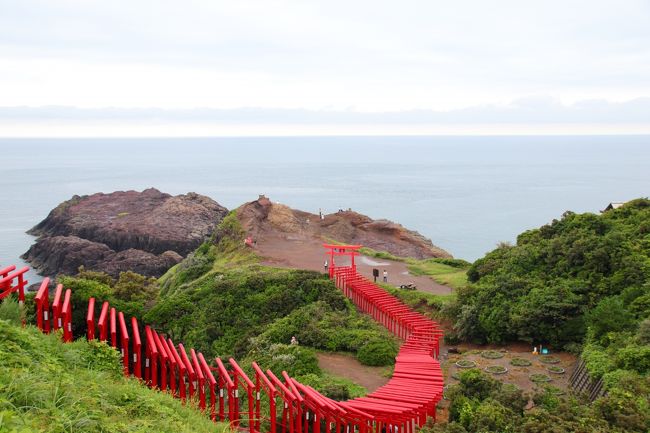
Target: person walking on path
[[385, 276], [326, 265]]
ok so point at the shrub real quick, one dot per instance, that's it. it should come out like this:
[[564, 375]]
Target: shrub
[[295, 360], [10, 310], [377, 353], [636, 358]]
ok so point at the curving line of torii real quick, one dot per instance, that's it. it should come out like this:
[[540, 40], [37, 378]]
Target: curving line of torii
[[404, 403]]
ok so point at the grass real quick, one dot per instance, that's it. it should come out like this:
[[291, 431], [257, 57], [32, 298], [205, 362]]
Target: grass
[[450, 272], [423, 302], [441, 273], [48, 386]]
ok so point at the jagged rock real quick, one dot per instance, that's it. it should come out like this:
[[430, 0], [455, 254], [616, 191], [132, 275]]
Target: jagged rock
[[146, 232]]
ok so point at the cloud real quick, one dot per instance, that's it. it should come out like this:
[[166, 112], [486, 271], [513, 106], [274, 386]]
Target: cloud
[[372, 55], [530, 110]]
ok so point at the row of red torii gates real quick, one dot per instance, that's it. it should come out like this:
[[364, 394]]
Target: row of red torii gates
[[404, 403]]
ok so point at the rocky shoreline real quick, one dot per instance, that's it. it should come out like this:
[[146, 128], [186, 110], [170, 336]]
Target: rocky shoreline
[[146, 232]]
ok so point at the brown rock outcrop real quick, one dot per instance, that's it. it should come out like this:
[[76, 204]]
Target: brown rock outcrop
[[264, 219], [146, 232]]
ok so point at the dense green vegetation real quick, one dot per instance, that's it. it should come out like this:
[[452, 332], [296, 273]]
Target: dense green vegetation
[[48, 386], [131, 293], [581, 283], [220, 301], [481, 404], [584, 274]]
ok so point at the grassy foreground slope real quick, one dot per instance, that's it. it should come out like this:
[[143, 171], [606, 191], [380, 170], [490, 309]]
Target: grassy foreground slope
[[48, 386]]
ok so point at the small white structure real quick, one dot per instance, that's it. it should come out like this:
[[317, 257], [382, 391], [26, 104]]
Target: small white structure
[[612, 206]]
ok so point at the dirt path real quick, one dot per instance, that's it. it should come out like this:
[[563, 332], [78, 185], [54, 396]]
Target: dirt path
[[294, 251], [343, 365]]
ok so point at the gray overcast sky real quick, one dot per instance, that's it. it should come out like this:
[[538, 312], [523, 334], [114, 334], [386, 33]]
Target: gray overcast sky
[[534, 61]]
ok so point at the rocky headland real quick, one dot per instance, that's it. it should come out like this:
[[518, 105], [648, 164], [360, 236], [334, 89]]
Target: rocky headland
[[146, 232], [271, 223]]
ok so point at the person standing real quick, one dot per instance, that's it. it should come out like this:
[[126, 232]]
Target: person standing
[[385, 276], [326, 265]]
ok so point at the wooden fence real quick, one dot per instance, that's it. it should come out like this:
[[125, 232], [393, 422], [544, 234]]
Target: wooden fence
[[582, 382]]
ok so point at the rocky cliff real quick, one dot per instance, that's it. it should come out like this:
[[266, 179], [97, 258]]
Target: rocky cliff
[[146, 232], [264, 220]]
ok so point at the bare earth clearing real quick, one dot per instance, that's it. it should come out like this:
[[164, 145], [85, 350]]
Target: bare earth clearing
[[300, 252], [344, 365]]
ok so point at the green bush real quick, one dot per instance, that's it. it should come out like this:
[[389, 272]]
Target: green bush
[[294, 359], [333, 387], [582, 271], [10, 310], [377, 353], [320, 326]]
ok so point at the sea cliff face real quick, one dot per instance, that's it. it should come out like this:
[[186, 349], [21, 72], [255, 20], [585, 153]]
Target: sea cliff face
[[146, 232]]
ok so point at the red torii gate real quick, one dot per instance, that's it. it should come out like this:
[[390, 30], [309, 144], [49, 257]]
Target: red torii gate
[[341, 250]]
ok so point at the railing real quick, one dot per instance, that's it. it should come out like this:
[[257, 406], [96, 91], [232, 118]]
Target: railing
[[406, 401]]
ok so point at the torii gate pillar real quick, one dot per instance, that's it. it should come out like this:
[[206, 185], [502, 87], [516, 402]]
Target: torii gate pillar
[[341, 250]]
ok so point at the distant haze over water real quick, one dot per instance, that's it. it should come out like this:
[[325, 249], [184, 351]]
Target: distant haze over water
[[465, 193]]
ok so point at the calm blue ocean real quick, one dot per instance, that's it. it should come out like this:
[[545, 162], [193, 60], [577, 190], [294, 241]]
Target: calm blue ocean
[[465, 193]]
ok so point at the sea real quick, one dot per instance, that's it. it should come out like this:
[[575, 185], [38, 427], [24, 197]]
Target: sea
[[465, 193]]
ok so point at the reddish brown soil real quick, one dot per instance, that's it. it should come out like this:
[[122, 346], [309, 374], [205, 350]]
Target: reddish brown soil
[[262, 218], [303, 252], [344, 365]]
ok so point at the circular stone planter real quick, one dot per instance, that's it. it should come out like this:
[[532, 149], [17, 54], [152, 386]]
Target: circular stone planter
[[547, 359], [539, 378], [456, 375], [554, 390], [555, 369], [491, 354], [465, 363], [520, 362], [496, 369]]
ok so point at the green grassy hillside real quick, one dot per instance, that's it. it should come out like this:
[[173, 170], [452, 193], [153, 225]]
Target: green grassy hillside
[[220, 301], [48, 386]]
